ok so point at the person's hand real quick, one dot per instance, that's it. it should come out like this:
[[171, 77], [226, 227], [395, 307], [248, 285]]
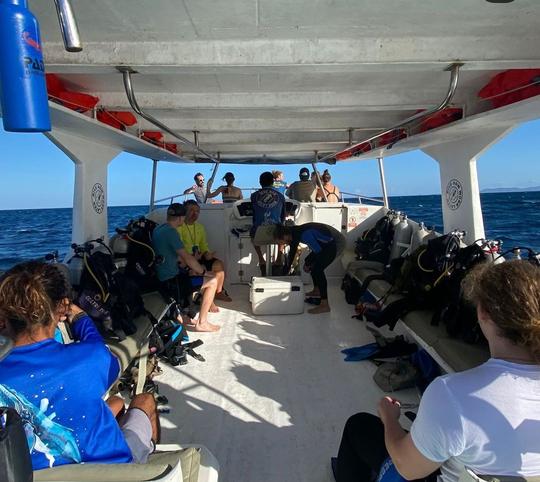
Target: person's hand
[[209, 274], [307, 268], [389, 409]]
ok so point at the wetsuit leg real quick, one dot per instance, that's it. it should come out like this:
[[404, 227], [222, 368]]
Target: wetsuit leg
[[362, 450], [321, 261]]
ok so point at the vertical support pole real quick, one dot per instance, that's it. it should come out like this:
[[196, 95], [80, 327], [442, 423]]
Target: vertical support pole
[[351, 137], [317, 175], [91, 161], [460, 193], [212, 177], [383, 182], [153, 187]]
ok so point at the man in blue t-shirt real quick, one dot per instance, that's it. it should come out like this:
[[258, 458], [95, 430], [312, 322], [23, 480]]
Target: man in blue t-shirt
[[167, 244], [268, 209]]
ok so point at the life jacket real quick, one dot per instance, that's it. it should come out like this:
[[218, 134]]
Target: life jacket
[[516, 80], [77, 101], [117, 119]]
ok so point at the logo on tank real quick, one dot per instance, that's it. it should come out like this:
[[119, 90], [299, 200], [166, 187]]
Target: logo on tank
[[454, 194], [98, 198]]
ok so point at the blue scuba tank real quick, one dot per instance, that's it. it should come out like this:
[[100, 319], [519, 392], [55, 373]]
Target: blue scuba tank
[[23, 90]]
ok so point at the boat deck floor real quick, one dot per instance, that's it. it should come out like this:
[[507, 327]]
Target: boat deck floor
[[274, 393]]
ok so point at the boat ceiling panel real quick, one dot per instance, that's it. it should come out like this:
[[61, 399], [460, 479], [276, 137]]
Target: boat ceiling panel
[[243, 70]]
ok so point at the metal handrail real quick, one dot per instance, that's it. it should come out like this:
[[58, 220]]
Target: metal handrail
[[128, 86], [253, 189], [361, 196], [454, 77], [68, 26]]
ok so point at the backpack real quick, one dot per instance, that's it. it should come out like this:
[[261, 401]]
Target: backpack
[[374, 244], [141, 258], [457, 313], [110, 298]]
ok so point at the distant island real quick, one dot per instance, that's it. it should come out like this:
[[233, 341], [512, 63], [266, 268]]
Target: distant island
[[511, 189]]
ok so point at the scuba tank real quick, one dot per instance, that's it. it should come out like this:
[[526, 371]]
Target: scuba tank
[[395, 217], [76, 267], [23, 95], [418, 237], [432, 234], [119, 245], [402, 238]]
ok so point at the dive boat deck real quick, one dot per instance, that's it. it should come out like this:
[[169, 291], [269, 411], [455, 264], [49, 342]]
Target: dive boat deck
[[274, 393]]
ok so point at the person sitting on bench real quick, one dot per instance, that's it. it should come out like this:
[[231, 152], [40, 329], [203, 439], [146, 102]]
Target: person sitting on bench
[[56, 388], [169, 246], [326, 244], [485, 418], [193, 236]]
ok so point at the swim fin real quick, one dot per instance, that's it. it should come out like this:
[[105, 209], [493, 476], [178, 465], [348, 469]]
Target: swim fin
[[359, 353]]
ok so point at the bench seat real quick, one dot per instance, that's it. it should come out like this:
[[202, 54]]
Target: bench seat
[[452, 354], [170, 463]]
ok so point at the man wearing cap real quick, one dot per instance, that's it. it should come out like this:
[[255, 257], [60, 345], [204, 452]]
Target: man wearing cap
[[198, 190], [169, 246], [303, 190]]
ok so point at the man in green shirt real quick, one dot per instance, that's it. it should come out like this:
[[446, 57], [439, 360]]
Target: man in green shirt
[[168, 245], [193, 236]]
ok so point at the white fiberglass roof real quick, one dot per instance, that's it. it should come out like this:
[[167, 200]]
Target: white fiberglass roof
[[286, 78]]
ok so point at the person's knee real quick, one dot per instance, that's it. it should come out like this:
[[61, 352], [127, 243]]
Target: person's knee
[[361, 422], [145, 402], [218, 266]]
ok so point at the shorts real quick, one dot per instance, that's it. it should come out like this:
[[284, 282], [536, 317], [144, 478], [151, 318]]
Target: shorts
[[207, 263], [137, 430]]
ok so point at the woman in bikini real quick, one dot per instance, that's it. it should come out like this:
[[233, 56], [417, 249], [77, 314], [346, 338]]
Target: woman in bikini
[[229, 193], [332, 192]]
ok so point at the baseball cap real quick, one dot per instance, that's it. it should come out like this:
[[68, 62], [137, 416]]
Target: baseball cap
[[176, 209], [304, 173]]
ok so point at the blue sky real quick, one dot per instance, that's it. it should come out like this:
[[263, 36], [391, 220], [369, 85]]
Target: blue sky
[[35, 173]]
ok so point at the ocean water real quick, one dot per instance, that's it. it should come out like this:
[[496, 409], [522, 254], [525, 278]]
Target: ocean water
[[514, 218]]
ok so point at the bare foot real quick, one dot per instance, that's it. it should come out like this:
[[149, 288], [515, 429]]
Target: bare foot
[[204, 327], [322, 308], [213, 308]]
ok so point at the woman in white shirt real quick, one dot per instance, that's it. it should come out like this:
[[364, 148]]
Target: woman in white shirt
[[486, 419]]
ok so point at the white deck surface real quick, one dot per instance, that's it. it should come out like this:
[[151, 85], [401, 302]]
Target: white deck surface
[[271, 400]]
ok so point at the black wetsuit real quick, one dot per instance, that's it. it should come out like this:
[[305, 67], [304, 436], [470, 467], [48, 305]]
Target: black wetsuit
[[325, 243]]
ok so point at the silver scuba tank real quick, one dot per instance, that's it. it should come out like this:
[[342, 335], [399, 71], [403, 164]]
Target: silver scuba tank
[[432, 234], [418, 236], [76, 267], [395, 219], [402, 238], [119, 245]]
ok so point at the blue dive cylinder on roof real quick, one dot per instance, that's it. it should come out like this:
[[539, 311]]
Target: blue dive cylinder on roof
[[23, 90]]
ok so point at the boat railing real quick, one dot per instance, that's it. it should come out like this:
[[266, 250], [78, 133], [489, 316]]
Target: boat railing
[[249, 190], [360, 197]]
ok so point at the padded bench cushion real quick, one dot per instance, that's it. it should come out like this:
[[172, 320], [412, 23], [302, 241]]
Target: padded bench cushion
[[455, 353], [158, 466]]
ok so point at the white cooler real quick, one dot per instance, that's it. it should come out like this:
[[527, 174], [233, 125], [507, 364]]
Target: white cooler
[[277, 295]]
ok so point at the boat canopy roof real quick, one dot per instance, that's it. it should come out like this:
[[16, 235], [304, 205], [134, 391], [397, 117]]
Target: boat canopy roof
[[274, 81]]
